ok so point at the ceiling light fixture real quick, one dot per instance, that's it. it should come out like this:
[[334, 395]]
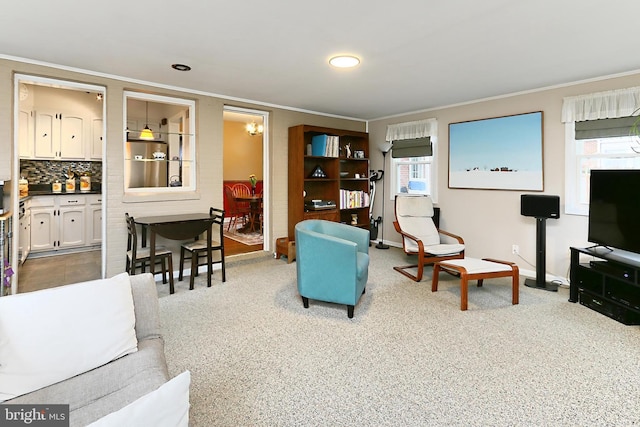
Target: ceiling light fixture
[[146, 133], [99, 97], [254, 129], [344, 61], [180, 67]]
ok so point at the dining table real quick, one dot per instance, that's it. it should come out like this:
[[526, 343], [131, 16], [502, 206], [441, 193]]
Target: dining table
[[255, 210], [176, 227]]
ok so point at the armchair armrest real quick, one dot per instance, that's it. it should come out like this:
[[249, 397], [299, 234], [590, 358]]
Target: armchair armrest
[[396, 225], [454, 236]]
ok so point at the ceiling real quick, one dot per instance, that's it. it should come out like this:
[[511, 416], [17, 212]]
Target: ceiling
[[416, 54]]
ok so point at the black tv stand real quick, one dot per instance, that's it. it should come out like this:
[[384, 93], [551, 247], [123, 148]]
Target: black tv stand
[[541, 268], [608, 286]]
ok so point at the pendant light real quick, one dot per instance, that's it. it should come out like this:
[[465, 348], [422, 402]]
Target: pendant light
[[146, 132]]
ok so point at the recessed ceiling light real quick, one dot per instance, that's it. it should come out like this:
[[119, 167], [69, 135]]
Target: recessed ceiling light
[[180, 67], [344, 61]]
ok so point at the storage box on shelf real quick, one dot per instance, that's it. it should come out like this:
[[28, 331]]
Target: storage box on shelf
[[344, 179], [606, 285]]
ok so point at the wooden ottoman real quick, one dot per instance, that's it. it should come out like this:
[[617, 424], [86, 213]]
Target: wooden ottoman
[[477, 269], [286, 248]]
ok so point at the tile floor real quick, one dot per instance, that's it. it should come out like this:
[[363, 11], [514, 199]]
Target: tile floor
[[49, 272]]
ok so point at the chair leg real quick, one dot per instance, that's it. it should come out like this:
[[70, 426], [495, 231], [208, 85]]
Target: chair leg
[[164, 272], [171, 284], [305, 302], [464, 290], [403, 269], [182, 253], [434, 279], [224, 275], [350, 311], [194, 268]]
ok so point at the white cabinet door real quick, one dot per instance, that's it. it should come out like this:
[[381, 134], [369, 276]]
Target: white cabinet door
[[25, 134], [96, 224], [26, 245], [94, 219], [59, 136], [72, 137], [71, 223], [22, 239], [96, 138], [43, 229], [47, 132]]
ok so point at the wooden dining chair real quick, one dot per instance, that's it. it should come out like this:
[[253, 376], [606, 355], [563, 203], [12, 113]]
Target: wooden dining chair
[[241, 190], [198, 248], [235, 211], [138, 257]]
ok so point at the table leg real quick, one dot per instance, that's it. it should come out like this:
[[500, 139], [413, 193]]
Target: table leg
[[209, 256]]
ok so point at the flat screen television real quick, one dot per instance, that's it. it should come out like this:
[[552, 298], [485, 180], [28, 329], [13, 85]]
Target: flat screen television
[[614, 209]]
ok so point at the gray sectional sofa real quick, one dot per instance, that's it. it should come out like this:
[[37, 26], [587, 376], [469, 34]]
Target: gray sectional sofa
[[108, 388]]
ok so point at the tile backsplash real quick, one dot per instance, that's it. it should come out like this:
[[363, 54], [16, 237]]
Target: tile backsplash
[[47, 171]]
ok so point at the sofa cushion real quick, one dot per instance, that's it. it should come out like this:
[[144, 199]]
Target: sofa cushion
[[54, 334], [167, 406], [98, 392]]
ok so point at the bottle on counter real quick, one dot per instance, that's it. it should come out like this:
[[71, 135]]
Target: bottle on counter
[[23, 186], [85, 183], [56, 186], [70, 185]]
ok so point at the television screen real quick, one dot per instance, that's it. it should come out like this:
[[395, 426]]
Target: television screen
[[614, 209]]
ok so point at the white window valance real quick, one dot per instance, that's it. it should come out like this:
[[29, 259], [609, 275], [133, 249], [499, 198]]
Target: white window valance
[[601, 105], [412, 130]]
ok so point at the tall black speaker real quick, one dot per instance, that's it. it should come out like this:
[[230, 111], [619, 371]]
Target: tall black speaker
[[541, 207]]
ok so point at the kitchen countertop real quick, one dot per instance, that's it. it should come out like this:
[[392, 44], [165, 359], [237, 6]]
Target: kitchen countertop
[[45, 190], [51, 193]]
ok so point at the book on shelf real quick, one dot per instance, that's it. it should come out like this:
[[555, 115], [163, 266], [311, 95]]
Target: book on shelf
[[325, 145], [350, 199]]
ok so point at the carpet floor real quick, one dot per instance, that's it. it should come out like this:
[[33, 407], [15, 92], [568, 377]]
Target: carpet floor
[[409, 357]]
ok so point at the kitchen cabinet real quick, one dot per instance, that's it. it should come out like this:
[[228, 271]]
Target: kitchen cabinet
[[94, 219], [25, 133], [58, 222], [58, 136], [96, 139], [43, 237], [24, 237]]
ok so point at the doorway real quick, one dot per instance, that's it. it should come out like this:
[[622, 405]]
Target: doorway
[[246, 180], [59, 146]]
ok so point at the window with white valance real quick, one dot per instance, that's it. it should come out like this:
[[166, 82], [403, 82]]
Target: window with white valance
[[413, 153], [598, 135], [601, 105]]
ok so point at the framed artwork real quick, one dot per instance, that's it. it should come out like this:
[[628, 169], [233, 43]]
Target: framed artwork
[[500, 153]]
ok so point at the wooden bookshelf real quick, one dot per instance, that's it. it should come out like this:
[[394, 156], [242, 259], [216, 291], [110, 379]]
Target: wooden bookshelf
[[303, 187]]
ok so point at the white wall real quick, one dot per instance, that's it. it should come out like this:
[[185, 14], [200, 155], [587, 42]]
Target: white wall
[[490, 220]]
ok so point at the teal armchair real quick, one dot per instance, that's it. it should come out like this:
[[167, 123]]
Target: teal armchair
[[332, 262]]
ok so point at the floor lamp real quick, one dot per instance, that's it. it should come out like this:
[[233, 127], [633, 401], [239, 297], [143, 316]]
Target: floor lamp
[[384, 147]]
